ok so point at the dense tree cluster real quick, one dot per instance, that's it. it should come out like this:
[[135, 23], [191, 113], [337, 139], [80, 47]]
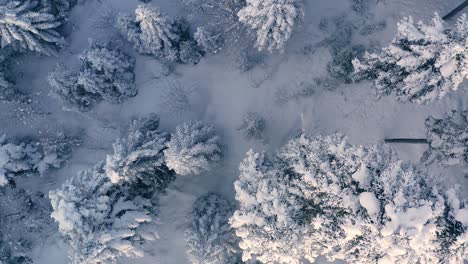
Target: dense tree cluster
[[153, 33], [106, 73], [210, 239], [110, 210], [323, 196], [422, 63]]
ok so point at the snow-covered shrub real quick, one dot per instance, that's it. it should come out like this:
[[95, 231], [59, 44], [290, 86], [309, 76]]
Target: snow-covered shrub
[[138, 156], [102, 220], [106, 74], [448, 139], [322, 196], [272, 20], [24, 222], [27, 25], [422, 63], [222, 28], [28, 158], [153, 33], [64, 84], [193, 148], [253, 126], [210, 239], [207, 40]]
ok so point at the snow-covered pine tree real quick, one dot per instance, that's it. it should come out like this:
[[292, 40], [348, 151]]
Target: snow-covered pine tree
[[26, 25], [272, 20], [24, 222], [28, 158], [193, 148], [448, 139], [64, 84], [252, 126], [210, 239], [109, 211], [153, 33], [138, 157], [422, 63], [106, 73], [100, 220], [322, 196]]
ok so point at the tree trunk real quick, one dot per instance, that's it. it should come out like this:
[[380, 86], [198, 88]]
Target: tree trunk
[[407, 140], [456, 10]]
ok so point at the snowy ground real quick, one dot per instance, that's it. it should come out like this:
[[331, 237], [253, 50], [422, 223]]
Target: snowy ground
[[221, 95]]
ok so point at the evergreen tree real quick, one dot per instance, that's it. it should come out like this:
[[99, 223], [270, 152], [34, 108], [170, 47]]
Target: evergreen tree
[[138, 157], [106, 73], [155, 34], [64, 84], [102, 220], [322, 196], [448, 139], [27, 25], [110, 211], [210, 239], [272, 20], [192, 148], [422, 63]]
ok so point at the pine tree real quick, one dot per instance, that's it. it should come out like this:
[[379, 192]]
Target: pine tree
[[110, 211], [210, 239], [253, 126], [101, 220], [26, 25], [448, 139], [272, 20], [193, 148], [323, 196], [138, 157], [64, 84], [155, 34], [422, 63], [106, 73]]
